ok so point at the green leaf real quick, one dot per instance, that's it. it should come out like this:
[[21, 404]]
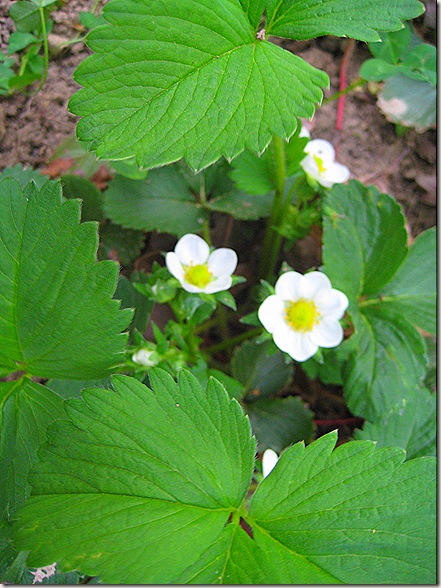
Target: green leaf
[[357, 515], [73, 388], [261, 374], [410, 424], [162, 202], [411, 103], [254, 10], [56, 313], [18, 41], [24, 175], [27, 408], [188, 80], [393, 46], [387, 364], [92, 199], [391, 288], [279, 422], [359, 19], [119, 243], [131, 298], [26, 17], [364, 238], [242, 205], [252, 173], [133, 475], [413, 289]]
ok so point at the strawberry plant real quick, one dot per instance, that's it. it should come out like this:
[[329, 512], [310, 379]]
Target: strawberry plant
[[139, 452]]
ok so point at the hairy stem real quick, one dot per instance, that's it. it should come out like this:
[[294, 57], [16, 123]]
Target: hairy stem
[[45, 46], [271, 245]]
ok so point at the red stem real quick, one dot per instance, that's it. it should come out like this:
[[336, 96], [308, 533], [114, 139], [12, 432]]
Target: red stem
[[343, 83]]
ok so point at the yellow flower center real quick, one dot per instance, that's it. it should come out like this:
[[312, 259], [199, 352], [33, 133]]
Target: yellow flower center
[[198, 275], [301, 315], [320, 165]]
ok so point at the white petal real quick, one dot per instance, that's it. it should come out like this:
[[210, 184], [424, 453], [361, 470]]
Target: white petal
[[310, 166], [192, 249], [304, 132], [327, 333], [287, 286], [319, 282], [191, 288], [218, 285], [298, 345], [337, 173], [269, 460], [174, 266], [322, 149], [271, 313], [331, 303], [222, 261]]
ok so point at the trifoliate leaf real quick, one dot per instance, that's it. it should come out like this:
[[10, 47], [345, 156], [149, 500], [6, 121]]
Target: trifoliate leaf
[[139, 483], [161, 202], [357, 515], [359, 19], [410, 424], [188, 79], [391, 289], [279, 422], [26, 410], [57, 316]]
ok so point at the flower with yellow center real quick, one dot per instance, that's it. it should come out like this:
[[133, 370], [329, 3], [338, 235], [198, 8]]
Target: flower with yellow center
[[320, 165], [304, 314], [197, 269]]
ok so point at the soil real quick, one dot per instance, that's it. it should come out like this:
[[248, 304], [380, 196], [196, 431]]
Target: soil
[[32, 126]]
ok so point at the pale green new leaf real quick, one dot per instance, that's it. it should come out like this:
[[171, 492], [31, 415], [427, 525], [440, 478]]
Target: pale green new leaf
[[188, 79], [359, 19], [57, 316], [139, 483], [26, 410], [356, 515], [161, 202]]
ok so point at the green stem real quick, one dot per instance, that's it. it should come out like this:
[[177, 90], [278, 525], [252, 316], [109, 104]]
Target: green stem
[[203, 201], [268, 250], [233, 341], [278, 237], [45, 46], [357, 82]]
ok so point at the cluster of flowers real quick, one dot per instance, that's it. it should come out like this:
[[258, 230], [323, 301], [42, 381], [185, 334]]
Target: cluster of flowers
[[305, 310], [302, 315]]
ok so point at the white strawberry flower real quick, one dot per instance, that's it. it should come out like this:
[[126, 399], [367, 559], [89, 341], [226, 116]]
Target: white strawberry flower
[[320, 164], [269, 460], [197, 269], [304, 314]]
